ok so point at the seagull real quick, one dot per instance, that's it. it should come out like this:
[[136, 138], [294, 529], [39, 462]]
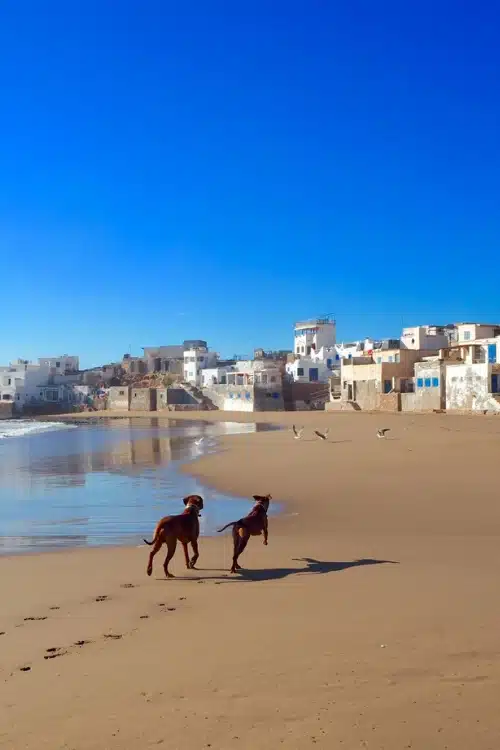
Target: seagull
[[322, 435], [297, 434], [199, 441], [381, 433]]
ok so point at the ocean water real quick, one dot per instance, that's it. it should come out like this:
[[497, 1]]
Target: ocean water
[[103, 482]]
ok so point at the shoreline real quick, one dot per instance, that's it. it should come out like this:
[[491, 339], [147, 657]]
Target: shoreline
[[370, 620]]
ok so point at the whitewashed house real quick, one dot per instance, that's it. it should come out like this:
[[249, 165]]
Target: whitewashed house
[[20, 381], [61, 365], [27, 384], [196, 360], [425, 338], [473, 377], [315, 354]]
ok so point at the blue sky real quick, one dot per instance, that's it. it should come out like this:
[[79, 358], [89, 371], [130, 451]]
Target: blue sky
[[193, 169]]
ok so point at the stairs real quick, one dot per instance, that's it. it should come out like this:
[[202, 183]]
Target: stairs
[[205, 403]]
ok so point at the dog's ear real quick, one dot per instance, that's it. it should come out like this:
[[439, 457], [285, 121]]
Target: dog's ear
[[186, 499]]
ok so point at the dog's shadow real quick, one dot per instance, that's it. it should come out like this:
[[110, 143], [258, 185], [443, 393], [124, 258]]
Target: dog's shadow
[[276, 574]]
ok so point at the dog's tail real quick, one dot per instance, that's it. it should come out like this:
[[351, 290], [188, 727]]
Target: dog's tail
[[155, 536], [233, 523]]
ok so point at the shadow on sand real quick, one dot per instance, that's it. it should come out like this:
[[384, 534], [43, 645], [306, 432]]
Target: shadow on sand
[[276, 574]]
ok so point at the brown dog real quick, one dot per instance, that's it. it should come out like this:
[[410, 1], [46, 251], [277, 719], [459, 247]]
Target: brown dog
[[184, 527], [254, 524]]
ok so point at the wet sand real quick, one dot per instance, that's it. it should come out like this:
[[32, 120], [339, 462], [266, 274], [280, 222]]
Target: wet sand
[[370, 620]]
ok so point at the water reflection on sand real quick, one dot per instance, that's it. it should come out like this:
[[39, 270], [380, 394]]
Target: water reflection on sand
[[104, 482]]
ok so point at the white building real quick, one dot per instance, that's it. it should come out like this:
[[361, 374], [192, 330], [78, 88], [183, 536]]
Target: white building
[[473, 380], [473, 331], [61, 365], [24, 383], [312, 335], [196, 360], [424, 338], [20, 381], [315, 351]]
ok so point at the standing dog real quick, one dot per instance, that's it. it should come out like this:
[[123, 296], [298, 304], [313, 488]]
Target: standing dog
[[254, 524], [184, 527]]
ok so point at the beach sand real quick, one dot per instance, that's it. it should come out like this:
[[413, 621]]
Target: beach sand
[[370, 621]]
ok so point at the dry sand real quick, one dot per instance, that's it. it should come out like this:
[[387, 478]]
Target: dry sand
[[370, 621]]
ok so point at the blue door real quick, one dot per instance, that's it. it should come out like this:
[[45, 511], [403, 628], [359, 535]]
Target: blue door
[[492, 353], [494, 383], [313, 374]]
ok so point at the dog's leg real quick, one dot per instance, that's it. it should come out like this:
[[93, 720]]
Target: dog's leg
[[266, 531], [196, 554], [240, 542], [171, 545], [186, 554], [156, 548]]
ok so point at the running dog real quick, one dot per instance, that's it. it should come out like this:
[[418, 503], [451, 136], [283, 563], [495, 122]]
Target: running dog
[[184, 528], [254, 524]]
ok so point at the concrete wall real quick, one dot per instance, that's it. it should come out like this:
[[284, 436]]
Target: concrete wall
[[6, 410], [143, 399], [119, 398], [389, 402], [172, 396], [430, 386], [468, 387], [365, 394], [246, 397]]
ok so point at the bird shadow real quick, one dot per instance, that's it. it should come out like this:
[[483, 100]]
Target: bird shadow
[[275, 574]]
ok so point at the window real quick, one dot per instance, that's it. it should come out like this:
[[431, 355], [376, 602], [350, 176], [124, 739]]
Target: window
[[329, 364], [6, 397], [273, 378], [391, 358], [387, 386], [420, 383], [337, 357], [121, 393], [379, 360], [435, 382], [298, 350], [397, 358], [300, 372], [58, 364], [9, 381], [18, 397], [313, 374], [466, 335], [427, 382]]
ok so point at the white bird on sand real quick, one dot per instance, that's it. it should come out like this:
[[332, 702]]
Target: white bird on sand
[[322, 435], [381, 433], [297, 434]]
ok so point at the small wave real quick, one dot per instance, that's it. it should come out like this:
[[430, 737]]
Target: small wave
[[21, 427]]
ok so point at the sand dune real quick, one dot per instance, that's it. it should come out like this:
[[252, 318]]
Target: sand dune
[[370, 620]]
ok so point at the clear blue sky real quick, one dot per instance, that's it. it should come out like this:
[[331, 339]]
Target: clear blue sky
[[199, 168]]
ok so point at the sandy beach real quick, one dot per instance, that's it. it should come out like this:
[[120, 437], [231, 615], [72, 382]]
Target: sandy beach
[[370, 621]]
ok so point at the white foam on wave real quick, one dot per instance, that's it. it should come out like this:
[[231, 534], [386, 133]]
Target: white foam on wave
[[10, 428]]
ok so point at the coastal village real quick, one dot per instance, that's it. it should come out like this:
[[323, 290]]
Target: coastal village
[[429, 368]]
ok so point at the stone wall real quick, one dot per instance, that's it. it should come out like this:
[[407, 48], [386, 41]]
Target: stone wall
[[389, 402], [143, 399], [119, 398]]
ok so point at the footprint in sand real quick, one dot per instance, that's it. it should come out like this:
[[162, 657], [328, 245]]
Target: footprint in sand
[[127, 586], [81, 643], [143, 617], [2, 632], [54, 607], [53, 652], [34, 619], [102, 598], [25, 669], [113, 636]]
